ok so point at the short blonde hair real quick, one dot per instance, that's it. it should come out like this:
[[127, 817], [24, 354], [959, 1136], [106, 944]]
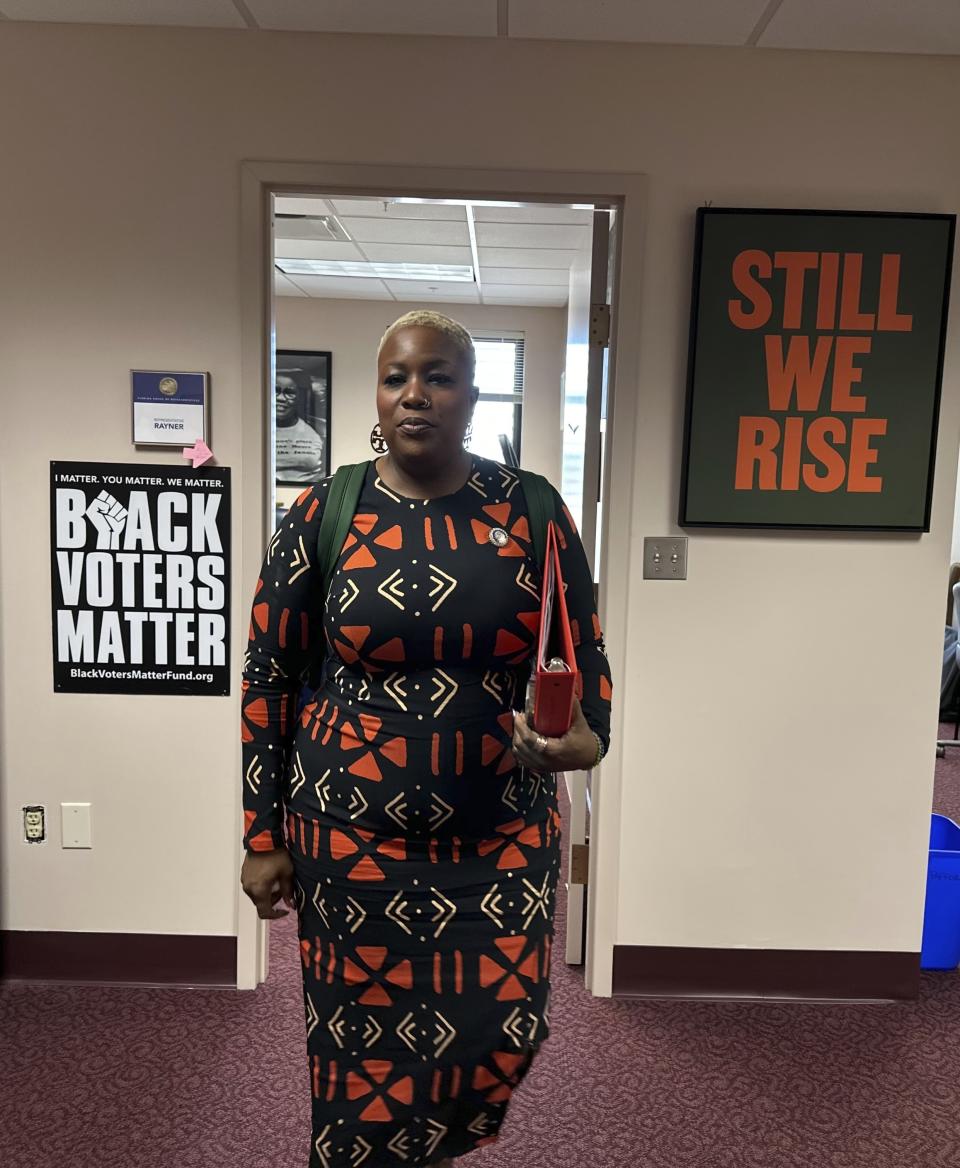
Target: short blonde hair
[[426, 318]]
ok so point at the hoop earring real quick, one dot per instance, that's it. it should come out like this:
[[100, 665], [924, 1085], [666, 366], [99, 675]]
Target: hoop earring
[[377, 440]]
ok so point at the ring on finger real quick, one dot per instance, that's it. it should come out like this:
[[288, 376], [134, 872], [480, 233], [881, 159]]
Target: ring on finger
[[541, 743]]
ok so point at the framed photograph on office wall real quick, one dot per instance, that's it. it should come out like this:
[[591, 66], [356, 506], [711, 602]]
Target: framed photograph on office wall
[[814, 372], [302, 393]]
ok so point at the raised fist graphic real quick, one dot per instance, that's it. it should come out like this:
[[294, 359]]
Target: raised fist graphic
[[108, 515]]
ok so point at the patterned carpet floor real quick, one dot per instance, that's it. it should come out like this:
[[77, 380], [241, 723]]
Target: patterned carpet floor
[[134, 1078]]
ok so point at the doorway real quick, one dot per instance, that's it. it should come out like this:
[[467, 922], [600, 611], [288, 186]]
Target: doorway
[[462, 220]]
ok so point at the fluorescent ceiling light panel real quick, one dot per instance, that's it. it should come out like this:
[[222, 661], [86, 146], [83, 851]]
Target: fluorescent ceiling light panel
[[491, 203], [460, 273]]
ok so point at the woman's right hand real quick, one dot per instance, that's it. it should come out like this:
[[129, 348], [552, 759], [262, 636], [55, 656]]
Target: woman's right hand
[[267, 877]]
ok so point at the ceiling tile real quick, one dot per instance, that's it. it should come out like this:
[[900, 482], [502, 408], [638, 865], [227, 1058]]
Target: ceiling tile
[[302, 227], [526, 293], [532, 214], [284, 287], [415, 17], [444, 290], [301, 205], [524, 257], [416, 253], [531, 235], [699, 22], [405, 231], [315, 249], [552, 277], [341, 287], [877, 26], [388, 209], [192, 13], [514, 302]]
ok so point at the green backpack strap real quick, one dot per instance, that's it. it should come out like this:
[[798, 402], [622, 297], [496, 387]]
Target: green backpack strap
[[541, 506], [338, 512]]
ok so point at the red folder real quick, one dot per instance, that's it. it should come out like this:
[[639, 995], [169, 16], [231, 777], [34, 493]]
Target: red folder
[[554, 689]]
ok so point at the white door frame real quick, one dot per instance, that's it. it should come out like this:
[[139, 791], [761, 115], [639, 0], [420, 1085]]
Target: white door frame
[[260, 180]]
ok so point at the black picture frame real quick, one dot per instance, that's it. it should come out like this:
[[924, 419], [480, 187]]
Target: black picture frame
[[302, 457], [732, 374]]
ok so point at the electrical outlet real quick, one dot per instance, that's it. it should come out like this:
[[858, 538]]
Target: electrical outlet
[[34, 824], [75, 825], [665, 557]]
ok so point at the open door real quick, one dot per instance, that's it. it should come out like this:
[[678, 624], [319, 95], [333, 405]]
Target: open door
[[584, 418]]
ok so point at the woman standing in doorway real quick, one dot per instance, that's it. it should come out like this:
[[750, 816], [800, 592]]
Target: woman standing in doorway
[[422, 841]]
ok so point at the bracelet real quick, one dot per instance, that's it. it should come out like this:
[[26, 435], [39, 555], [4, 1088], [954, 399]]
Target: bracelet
[[600, 751]]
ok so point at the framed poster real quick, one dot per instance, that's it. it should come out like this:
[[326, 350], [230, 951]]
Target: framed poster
[[140, 578], [169, 409], [302, 415], [815, 363]]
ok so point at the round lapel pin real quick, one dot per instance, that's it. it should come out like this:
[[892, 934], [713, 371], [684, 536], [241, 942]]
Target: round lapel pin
[[498, 537]]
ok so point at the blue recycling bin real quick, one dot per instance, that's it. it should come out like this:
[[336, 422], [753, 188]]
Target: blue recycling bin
[[940, 948]]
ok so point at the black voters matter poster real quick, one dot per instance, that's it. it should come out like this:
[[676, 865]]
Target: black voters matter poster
[[140, 578]]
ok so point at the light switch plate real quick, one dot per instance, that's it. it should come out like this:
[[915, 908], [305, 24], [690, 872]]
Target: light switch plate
[[75, 825], [665, 557]]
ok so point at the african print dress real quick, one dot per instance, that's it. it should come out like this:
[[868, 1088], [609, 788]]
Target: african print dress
[[426, 859]]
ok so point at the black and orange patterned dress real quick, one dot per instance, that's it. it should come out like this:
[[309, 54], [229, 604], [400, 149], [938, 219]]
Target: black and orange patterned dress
[[426, 859]]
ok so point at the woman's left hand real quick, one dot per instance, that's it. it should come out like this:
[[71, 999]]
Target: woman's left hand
[[575, 751]]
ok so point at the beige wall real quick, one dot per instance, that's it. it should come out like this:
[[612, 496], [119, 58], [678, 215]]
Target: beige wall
[[352, 329], [778, 710]]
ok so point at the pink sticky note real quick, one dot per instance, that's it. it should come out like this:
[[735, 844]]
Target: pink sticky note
[[198, 453]]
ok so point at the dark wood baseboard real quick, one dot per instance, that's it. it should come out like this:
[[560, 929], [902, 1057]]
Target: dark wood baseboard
[[119, 958], [649, 971]]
